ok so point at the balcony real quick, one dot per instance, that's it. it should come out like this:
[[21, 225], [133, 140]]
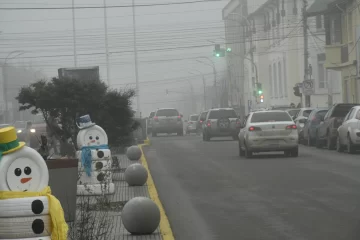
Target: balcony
[[337, 56]]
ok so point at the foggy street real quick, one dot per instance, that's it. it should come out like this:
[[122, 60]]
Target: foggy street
[[209, 192]]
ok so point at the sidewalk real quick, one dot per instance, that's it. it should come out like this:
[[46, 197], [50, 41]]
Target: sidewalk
[[115, 203]]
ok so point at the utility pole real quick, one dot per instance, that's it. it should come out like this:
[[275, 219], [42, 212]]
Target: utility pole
[[74, 32], [306, 52], [203, 78], [106, 45], [136, 60], [215, 86]]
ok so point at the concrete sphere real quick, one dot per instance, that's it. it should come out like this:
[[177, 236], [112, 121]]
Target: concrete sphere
[[140, 216], [136, 175], [133, 153]]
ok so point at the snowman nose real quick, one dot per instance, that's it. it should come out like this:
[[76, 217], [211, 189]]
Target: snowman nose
[[25, 180]]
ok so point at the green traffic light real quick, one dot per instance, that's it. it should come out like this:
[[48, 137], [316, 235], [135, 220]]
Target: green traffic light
[[260, 91], [228, 49], [218, 54]]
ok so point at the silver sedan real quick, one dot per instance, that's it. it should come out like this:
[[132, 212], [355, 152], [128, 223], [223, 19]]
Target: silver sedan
[[268, 131]]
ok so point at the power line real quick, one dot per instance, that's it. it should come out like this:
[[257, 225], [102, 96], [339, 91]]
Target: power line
[[101, 7]]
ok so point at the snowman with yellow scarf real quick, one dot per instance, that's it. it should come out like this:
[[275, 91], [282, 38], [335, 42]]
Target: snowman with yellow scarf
[[28, 211]]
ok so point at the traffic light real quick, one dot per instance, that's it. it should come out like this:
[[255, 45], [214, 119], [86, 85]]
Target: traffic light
[[262, 98], [219, 52], [228, 49], [297, 91], [259, 88]]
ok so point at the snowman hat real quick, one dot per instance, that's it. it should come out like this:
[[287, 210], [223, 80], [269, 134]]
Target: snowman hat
[[8, 141], [85, 122]]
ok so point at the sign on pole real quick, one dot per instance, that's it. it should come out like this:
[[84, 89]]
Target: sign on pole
[[308, 87]]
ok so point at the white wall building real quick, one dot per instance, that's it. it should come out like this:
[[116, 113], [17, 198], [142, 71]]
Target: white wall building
[[278, 51]]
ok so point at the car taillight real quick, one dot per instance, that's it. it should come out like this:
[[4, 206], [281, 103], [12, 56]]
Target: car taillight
[[291, 127], [208, 123], [201, 121], [179, 118], [238, 123], [252, 129], [156, 119]]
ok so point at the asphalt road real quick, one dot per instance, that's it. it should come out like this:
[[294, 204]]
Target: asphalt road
[[209, 192]]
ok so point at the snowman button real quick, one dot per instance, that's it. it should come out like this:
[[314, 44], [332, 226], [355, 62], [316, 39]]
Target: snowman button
[[37, 207], [38, 226], [100, 154]]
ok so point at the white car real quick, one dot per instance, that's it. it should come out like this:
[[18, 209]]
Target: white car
[[268, 131], [349, 132]]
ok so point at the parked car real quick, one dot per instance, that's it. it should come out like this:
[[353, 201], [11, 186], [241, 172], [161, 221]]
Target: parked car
[[26, 132], [150, 122], [349, 132], [268, 131], [167, 120], [311, 125], [327, 131], [191, 124], [201, 120], [300, 119], [221, 122]]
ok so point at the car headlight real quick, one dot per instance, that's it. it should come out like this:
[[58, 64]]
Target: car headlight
[[19, 131], [32, 130]]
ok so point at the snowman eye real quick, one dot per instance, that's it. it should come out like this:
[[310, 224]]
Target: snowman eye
[[17, 171], [27, 171], [90, 137], [97, 138]]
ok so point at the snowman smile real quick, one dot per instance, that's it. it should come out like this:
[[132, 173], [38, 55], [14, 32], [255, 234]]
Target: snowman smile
[[25, 180]]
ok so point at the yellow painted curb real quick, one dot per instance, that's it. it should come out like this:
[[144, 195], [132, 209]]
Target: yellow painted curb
[[165, 229]]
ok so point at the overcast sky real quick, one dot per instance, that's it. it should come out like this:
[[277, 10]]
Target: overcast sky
[[167, 36]]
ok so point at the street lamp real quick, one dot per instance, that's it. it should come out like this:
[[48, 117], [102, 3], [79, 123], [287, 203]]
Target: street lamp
[[8, 57]]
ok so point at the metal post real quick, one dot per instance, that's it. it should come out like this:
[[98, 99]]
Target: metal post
[[204, 92], [306, 52], [215, 86], [74, 32], [5, 93], [136, 60], [106, 44]]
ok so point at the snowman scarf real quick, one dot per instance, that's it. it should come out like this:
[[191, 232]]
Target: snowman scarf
[[86, 156], [59, 226]]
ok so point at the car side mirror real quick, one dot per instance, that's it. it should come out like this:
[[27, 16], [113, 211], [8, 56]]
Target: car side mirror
[[294, 117], [304, 120]]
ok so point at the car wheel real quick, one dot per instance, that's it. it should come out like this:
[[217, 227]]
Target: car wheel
[[330, 143], [350, 146], [294, 152], [235, 137], [310, 142], [248, 153], [241, 151], [318, 142], [203, 136], [339, 146], [181, 133]]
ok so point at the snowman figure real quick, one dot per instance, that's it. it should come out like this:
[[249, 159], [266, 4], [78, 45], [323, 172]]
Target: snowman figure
[[27, 208], [95, 176]]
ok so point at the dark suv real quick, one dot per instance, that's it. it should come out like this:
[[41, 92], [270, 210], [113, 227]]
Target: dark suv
[[327, 133], [221, 122]]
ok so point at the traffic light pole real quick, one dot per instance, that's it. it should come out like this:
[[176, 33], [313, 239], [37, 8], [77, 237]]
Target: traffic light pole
[[306, 52]]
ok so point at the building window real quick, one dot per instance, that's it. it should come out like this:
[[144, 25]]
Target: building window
[[270, 82], [280, 80], [285, 78], [350, 26], [319, 22], [275, 80], [322, 71], [335, 30]]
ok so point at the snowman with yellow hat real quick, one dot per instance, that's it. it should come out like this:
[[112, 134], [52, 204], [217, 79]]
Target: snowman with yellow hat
[[28, 211]]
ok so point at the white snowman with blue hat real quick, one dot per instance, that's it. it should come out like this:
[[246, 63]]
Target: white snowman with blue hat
[[95, 176]]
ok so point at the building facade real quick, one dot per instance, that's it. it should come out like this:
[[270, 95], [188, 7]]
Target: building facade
[[342, 28], [276, 44]]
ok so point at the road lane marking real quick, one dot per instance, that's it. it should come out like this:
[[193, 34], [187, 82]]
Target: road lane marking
[[165, 229]]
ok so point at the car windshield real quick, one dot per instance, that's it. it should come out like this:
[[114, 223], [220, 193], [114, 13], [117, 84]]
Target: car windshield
[[306, 113], [341, 110], [321, 114], [152, 114], [259, 117], [194, 117], [20, 125], [223, 113], [293, 112], [203, 116], [167, 113]]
